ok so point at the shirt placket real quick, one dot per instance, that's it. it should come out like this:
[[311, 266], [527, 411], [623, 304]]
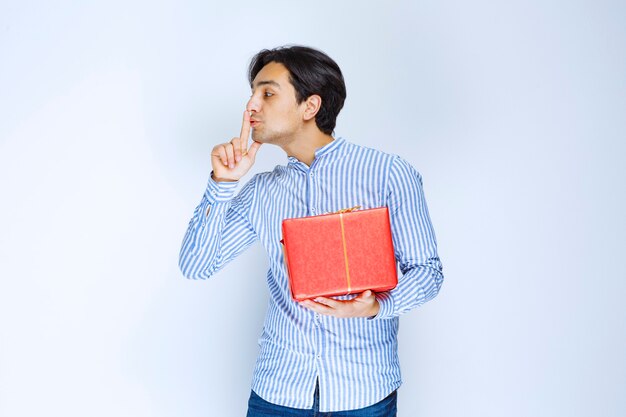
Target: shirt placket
[[312, 192], [313, 207]]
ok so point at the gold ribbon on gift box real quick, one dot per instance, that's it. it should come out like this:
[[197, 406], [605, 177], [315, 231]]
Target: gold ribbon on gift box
[[346, 210], [343, 240]]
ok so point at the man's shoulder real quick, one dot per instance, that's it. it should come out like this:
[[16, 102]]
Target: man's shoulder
[[386, 161], [357, 150]]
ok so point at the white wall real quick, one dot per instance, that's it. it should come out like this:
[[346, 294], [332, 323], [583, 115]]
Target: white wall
[[512, 111]]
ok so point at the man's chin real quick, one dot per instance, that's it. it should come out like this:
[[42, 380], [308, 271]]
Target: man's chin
[[260, 138]]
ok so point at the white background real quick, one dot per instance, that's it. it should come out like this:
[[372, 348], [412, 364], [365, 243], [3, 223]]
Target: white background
[[514, 113]]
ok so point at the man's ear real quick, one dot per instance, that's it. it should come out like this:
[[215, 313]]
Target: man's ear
[[313, 105]]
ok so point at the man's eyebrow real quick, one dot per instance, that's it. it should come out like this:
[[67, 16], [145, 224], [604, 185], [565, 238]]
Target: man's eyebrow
[[268, 82]]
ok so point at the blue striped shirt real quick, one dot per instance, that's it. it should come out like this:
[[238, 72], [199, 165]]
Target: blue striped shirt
[[355, 359]]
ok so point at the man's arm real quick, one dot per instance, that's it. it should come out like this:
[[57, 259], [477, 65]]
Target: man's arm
[[414, 243], [415, 250], [219, 229]]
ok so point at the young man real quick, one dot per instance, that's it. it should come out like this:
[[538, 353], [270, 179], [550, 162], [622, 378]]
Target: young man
[[328, 354]]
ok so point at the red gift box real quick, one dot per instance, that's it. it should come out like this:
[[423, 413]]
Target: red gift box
[[340, 253]]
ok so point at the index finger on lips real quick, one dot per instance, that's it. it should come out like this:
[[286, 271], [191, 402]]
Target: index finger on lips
[[245, 132]]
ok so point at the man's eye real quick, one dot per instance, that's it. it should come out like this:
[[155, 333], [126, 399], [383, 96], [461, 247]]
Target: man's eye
[[268, 94]]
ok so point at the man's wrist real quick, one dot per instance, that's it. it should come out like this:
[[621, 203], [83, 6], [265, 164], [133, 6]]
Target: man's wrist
[[220, 191], [218, 179]]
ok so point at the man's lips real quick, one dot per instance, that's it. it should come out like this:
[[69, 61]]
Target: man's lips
[[254, 122]]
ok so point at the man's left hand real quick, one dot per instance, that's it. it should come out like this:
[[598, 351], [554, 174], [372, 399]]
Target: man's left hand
[[364, 305]]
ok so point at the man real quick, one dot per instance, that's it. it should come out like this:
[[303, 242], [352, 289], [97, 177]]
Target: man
[[329, 354]]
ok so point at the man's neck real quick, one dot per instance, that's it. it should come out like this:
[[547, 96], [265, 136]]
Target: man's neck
[[303, 148]]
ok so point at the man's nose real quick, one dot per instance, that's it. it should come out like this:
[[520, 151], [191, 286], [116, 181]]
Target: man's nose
[[253, 104]]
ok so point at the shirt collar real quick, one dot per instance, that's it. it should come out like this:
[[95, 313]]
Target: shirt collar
[[328, 149]]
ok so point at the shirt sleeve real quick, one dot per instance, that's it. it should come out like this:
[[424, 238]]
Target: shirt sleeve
[[219, 229], [414, 244]]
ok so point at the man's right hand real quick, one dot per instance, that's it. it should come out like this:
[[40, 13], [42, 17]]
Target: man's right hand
[[232, 160]]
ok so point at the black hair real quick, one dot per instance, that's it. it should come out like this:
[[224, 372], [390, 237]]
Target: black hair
[[310, 72]]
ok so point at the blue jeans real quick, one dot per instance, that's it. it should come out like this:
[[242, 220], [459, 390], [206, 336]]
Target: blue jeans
[[258, 407]]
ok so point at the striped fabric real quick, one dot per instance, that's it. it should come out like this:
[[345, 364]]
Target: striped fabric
[[355, 359]]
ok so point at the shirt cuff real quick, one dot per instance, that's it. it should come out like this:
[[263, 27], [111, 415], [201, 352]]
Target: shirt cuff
[[385, 304], [220, 191]]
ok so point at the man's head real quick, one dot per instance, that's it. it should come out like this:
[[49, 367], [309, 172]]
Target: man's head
[[314, 79]]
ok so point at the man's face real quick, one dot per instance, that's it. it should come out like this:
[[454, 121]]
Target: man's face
[[276, 116]]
